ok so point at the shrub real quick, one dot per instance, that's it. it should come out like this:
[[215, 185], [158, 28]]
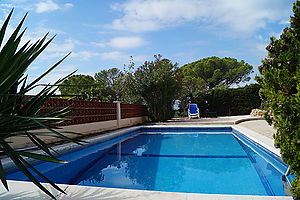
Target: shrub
[[158, 83], [230, 101], [280, 92]]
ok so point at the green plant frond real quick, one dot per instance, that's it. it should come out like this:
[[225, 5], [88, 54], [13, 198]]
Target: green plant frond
[[58, 112], [59, 134], [75, 133], [40, 118], [2, 176], [61, 80], [23, 57], [39, 49], [47, 72], [40, 143], [60, 109], [20, 114], [21, 123], [11, 39], [40, 157], [4, 26], [42, 176], [18, 162], [32, 107], [23, 82]]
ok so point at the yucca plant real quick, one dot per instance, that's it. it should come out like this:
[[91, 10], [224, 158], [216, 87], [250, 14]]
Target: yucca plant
[[20, 114]]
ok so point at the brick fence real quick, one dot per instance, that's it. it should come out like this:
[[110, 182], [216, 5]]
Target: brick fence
[[94, 111]]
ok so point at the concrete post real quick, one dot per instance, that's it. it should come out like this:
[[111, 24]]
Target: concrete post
[[118, 113]]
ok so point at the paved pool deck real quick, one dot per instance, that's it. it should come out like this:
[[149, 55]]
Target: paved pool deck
[[254, 128], [257, 124]]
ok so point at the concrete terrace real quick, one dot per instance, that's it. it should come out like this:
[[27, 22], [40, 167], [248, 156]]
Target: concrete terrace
[[255, 128]]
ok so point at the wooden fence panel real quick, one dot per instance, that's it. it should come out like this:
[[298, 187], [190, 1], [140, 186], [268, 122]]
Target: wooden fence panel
[[132, 110]]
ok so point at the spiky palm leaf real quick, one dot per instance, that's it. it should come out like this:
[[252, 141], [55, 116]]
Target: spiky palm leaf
[[20, 114]]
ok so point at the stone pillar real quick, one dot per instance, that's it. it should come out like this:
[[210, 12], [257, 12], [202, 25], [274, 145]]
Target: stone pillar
[[118, 113]]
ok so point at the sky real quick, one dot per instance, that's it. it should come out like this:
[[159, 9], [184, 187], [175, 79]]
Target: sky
[[102, 34]]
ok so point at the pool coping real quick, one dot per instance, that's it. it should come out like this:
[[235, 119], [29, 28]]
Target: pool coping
[[30, 191]]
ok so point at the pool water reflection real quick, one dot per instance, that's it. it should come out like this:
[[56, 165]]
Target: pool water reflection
[[202, 163], [217, 163]]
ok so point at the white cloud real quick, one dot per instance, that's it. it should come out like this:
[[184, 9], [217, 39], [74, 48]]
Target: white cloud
[[114, 55], [98, 44], [65, 68], [54, 50], [276, 35], [285, 21], [260, 37], [68, 5], [122, 43], [66, 46], [51, 55], [127, 42], [50, 5], [53, 77], [46, 6], [6, 5], [85, 55], [59, 50], [259, 49], [236, 15], [121, 57]]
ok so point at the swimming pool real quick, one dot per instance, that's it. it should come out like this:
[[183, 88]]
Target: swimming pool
[[193, 160]]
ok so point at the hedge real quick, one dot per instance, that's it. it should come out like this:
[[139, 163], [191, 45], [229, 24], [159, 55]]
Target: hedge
[[230, 101], [280, 92]]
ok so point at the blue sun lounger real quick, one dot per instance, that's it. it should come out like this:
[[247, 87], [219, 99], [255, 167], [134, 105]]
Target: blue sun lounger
[[193, 111]]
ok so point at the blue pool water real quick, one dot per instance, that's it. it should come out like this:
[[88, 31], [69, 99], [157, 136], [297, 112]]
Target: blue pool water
[[198, 161]]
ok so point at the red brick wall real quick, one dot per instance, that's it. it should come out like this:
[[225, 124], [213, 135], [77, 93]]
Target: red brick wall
[[94, 111]]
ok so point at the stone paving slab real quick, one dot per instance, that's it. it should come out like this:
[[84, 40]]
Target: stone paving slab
[[28, 191], [260, 126]]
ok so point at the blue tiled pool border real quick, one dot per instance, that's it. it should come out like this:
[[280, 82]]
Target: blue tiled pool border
[[264, 152], [187, 129]]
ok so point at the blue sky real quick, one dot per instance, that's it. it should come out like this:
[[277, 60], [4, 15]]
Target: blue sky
[[102, 34]]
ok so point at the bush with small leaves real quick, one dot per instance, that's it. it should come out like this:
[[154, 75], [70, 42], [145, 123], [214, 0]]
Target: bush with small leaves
[[158, 83], [280, 83]]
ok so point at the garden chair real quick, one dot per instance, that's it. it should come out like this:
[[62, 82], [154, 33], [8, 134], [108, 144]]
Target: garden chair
[[193, 111]]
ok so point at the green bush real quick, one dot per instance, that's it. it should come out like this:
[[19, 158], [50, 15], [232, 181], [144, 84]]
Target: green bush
[[230, 101], [158, 83], [280, 92]]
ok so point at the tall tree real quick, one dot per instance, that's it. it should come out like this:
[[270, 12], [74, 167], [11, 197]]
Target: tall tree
[[112, 80], [215, 72], [158, 83], [110, 77], [280, 83], [77, 85], [106, 86]]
